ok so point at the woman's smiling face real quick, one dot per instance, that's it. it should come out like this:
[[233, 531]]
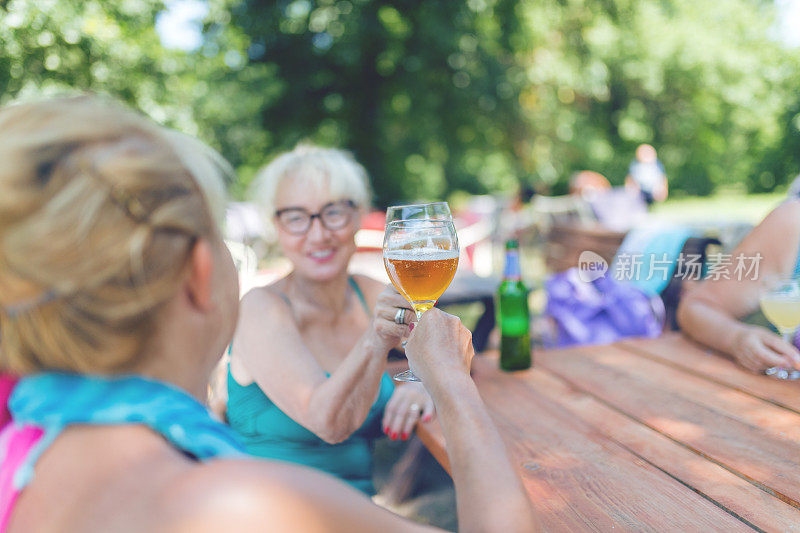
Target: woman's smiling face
[[321, 253]]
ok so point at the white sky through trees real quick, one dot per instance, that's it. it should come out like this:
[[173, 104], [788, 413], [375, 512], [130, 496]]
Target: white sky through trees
[[181, 24]]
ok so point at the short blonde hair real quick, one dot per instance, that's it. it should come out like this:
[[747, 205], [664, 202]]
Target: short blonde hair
[[99, 211], [320, 167]]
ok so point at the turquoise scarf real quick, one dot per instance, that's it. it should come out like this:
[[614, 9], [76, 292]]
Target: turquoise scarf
[[53, 401]]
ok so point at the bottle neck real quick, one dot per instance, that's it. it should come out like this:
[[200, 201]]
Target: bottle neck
[[512, 271]]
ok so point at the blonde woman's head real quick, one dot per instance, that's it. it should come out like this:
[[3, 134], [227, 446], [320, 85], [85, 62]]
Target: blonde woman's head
[[99, 212], [334, 173]]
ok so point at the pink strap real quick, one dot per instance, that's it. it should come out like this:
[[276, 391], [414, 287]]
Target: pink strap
[[15, 444], [7, 383]]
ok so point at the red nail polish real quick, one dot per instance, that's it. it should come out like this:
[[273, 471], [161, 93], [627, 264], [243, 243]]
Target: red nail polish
[[411, 327], [427, 418], [405, 436], [394, 436]]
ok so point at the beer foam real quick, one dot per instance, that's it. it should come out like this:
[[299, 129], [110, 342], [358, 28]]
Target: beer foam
[[421, 254]]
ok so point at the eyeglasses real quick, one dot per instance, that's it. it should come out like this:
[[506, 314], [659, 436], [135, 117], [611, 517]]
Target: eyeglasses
[[333, 216]]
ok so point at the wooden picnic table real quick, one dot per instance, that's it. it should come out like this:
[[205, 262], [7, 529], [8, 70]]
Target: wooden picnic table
[[655, 435]]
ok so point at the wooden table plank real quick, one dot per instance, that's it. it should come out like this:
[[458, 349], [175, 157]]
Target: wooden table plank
[[736, 430], [576, 477], [676, 350], [775, 420], [737, 495]]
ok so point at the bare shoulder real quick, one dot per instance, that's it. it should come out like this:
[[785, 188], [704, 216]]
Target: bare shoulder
[[264, 319], [265, 299], [786, 215], [234, 496], [777, 237], [246, 495], [371, 287]]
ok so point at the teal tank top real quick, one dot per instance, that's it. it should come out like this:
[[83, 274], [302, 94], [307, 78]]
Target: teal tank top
[[270, 433]]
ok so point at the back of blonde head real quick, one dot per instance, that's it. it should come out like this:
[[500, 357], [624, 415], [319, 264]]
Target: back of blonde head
[[99, 210]]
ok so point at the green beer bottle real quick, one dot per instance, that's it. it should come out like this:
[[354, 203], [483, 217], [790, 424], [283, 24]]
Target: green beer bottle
[[513, 315]]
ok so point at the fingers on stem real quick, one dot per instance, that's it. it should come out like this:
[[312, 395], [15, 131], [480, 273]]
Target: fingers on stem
[[786, 351], [767, 358]]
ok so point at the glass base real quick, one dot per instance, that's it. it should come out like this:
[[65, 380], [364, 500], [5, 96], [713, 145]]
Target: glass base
[[777, 372], [408, 375]]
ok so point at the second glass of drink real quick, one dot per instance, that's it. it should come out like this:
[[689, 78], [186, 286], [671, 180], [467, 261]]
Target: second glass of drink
[[780, 303]]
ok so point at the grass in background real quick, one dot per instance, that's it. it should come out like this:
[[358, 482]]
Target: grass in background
[[728, 206]]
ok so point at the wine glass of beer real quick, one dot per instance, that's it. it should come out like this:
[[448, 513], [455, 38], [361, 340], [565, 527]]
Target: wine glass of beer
[[780, 303], [420, 256]]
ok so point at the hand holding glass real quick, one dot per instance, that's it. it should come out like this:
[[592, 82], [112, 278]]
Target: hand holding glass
[[780, 303], [420, 256]]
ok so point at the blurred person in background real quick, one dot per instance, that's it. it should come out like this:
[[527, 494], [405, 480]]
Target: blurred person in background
[[117, 296], [588, 183], [307, 380], [716, 312], [647, 176]]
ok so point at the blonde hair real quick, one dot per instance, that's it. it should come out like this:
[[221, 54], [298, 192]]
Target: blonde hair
[[99, 211], [318, 167]]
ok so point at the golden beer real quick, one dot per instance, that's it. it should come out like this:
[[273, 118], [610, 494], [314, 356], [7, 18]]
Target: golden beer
[[783, 311], [421, 277]]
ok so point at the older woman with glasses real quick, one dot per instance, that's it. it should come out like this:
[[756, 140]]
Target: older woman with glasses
[[307, 380]]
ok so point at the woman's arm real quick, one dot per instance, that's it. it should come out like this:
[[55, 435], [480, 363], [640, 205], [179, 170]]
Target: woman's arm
[[269, 346], [253, 496], [711, 311], [489, 494]]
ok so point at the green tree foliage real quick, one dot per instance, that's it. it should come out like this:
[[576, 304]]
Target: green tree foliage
[[442, 96], [50, 47], [56, 46], [699, 79], [437, 97], [417, 90]]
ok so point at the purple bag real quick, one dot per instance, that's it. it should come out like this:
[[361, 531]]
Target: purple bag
[[600, 311]]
